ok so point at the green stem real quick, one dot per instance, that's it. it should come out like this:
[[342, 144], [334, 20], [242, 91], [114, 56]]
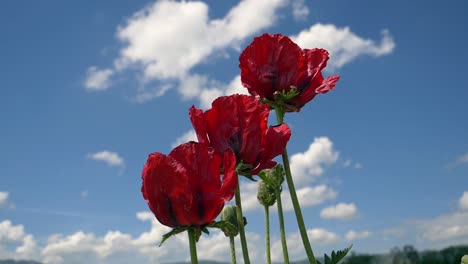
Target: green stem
[[193, 245], [240, 222], [267, 234], [294, 200], [233, 249], [281, 223]]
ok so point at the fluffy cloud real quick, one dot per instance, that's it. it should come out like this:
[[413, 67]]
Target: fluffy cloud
[[347, 163], [167, 39], [97, 80], [309, 164], [317, 237], [116, 246], [343, 45], [355, 235], [24, 245], [435, 232], [308, 196], [299, 10], [341, 211], [452, 227], [111, 158], [463, 202], [186, 137], [3, 198]]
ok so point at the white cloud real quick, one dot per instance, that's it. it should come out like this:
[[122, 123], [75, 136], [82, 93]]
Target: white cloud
[[146, 94], [97, 80], [343, 45], [299, 10], [117, 247], [169, 38], [166, 40], [309, 196], [355, 235], [207, 90], [341, 211], [13, 237], [10, 232], [463, 202], [358, 166], [3, 198], [435, 232], [111, 158], [186, 137], [309, 164], [317, 237], [348, 163], [446, 227]]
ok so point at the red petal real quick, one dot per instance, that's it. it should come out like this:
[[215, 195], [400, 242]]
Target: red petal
[[276, 139], [328, 84], [316, 60], [270, 63], [199, 124], [253, 121], [203, 166], [223, 124], [166, 190], [230, 177]]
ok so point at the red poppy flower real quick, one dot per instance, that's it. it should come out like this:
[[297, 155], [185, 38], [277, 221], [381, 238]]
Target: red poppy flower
[[185, 188], [274, 63], [239, 122]]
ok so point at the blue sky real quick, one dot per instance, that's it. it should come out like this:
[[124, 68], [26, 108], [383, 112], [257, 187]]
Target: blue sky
[[89, 89]]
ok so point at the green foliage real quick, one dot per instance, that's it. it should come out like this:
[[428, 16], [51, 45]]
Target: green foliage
[[409, 255], [10, 261], [336, 257]]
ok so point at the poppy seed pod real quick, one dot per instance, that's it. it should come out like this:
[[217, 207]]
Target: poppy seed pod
[[266, 194], [229, 214]]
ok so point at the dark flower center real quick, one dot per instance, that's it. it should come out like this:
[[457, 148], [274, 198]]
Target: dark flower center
[[268, 74]]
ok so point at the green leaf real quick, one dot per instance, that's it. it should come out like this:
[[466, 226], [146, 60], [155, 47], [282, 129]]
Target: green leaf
[[337, 256], [173, 232]]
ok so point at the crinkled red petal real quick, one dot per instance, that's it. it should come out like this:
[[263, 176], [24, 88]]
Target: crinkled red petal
[[199, 124], [271, 63], [203, 165], [166, 190]]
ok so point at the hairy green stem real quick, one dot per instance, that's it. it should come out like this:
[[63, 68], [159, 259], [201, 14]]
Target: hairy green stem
[[193, 245], [267, 234], [281, 223], [240, 223], [294, 200], [233, 249]]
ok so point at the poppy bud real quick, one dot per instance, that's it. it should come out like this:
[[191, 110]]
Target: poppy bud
[[464, 259], [266, 194], [229, 214]]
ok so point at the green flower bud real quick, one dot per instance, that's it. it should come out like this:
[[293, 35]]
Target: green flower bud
[[464, 259], [229, 215], [266, 194]]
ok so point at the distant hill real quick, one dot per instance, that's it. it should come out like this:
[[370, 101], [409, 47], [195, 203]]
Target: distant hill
[[406, 255], [11, 261]]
